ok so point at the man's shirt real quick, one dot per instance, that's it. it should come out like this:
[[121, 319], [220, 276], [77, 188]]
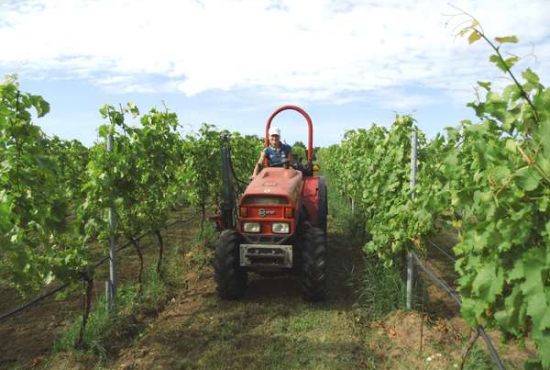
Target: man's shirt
[[275, 156]]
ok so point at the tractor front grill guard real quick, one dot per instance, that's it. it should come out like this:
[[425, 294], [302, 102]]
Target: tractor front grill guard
[[261, 255]]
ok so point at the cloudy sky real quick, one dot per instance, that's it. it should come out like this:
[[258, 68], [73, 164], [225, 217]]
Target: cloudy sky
[[232, 62]]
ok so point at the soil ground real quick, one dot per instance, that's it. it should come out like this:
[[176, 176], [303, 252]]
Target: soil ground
[[27, 338], [270, 328]]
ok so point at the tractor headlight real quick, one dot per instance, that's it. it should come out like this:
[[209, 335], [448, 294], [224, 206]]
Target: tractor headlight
[[251, 227], [280, 228]]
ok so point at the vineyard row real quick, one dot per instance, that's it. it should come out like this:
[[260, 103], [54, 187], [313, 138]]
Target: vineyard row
[[489, 181]]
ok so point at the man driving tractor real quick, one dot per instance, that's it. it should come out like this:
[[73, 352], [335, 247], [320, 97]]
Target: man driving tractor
[[276, 153], [281, 220]]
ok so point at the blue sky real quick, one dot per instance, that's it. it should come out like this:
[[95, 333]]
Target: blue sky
[[349, 63]]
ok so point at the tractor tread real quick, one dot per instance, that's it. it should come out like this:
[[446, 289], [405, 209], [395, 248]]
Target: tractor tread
[[314, 267], [230, 279]]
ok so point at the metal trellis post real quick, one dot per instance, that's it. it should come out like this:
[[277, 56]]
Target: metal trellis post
[[410, 271], [112, 283]]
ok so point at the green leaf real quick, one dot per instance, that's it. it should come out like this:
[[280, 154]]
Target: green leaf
[[527, 179], [531, 76], [42, 107], [104, 110], [499, 173], [474, 36], [103, 131], [503, 65], [511, 146], [488, 282], [464, 31], [507, 39], [133, 109], [495, 59], [472, 309], [539, 310], [510, 62], [543, 204], [517, 272], [544, 164], [534, 265], [511, 92], [5, 223], [485, 85], [513, 315], [544, 135], [542, 339]]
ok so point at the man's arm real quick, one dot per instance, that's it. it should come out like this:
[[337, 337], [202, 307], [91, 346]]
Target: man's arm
[[259, 165], [290, 156]]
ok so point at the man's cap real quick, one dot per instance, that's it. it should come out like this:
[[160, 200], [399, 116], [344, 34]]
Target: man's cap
[[275, 131]]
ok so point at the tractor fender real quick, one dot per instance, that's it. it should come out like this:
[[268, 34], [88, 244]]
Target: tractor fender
[[314, 197]]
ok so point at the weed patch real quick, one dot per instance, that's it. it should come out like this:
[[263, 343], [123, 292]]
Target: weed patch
[[380, 289], [106, 330], [350, 223]]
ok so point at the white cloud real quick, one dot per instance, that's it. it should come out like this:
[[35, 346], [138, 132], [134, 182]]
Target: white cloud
[[302, 49]]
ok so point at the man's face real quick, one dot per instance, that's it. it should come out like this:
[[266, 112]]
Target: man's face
[[274, 140]]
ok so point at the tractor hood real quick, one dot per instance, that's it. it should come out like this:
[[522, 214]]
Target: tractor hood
[[273, 181]]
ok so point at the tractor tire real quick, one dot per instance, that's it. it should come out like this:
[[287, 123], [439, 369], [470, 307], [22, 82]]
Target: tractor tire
[[231, 280], [300, 241], [314, 267], [323, 204]]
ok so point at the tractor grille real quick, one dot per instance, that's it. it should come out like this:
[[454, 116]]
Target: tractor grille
[[260, 255]]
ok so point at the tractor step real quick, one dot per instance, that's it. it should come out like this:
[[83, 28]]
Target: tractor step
[[264, 255]]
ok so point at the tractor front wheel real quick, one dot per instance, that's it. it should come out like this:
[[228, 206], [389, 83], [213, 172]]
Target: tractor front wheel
[[314, 268], [230, 279]]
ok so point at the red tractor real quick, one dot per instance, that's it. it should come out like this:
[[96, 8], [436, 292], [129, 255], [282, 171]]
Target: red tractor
[[280, 227]]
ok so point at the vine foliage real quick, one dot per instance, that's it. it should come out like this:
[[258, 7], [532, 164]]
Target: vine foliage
[[489, 180]]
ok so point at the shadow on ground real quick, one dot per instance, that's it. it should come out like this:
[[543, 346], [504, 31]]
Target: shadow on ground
[[272, 327]]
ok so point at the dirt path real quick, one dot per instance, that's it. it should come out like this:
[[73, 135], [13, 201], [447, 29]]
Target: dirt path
[[271, 328]]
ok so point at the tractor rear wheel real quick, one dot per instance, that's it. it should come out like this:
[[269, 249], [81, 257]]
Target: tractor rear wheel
[[314, 268], [230, 279]]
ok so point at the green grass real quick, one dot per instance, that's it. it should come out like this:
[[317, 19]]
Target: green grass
[[380, 289], [480, 359], [104, 328], [154, 288], [352, 225], [100, 325], [306, 321], [172, 267], [208, 237]]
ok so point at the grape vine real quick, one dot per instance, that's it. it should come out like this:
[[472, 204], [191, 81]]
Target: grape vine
[[488, 180], [56, 194]]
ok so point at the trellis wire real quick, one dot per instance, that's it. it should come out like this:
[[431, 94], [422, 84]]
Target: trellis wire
[[456, 298], [96, 265], [413, 257], [443, 252]]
